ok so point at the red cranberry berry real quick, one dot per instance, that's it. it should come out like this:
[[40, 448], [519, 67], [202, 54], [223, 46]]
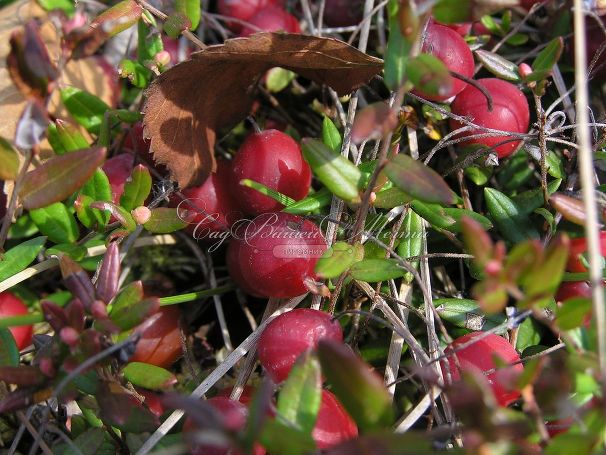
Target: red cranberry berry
[[118, 169], [160, 343], [212, 203], [291, 334], [334, 425], [242, 10], [578, 247], [447, 45], [271, 19], [11, 305], [234, 416], [479, 355], [510, 113], [573, 289], [273, 159], [343, 13], [274, 254]]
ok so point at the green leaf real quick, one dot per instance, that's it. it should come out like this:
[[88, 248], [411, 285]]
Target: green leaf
[[148, 376], [9, 161], [421, 182], [149, 42], [94, 441], [336, 172], [546, 274], [56, 222], [9, 353], [301, 395], [137, 188], [97, 188], [529, 334], [280, 438], [124, 217], [67, 6], [528, 201], [76, 252], [278, 79], [467, 314], [448, 218], [429, 75], [269, 192], [64, 138], [398, 50], [311, 203], [411, 243], [127, 314], [544, 61], [130, 295], [191, 8], [23, 228], [121, 410], [330, 135], [164, 220], [357, 386], [499, 66], [507, 217], [452, 11], [87, 109], [337, 259], [19, 257], [573, 313], [375, 270], [176, 23], [136, 73], [389, 198], [59, 177]]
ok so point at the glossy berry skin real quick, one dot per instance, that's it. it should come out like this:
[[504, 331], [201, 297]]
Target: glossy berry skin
[[242, 10], [152, 401], [578, 247], [510, 113], [334, 425], [343, 13], [11, 305], [234, 416], [273, 255], [118, 169], [160, 343], [212, 202], [573, 289], [273, 159], [271, 19], [480, 356], [448, 46], [291, 334]]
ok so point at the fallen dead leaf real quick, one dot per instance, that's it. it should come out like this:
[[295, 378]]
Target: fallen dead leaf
[[187, 104]]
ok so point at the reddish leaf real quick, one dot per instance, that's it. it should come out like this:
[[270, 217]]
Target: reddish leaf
[[59, 177], [477, 241], [122, 410], [77, 281], [24, 375], [22, 398], [373, 122], [54, 315], [571, 208], [109, 274], [86, 40], [28, 62], [187, 104], [75, 314]]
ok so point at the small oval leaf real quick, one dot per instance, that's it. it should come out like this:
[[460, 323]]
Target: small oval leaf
[[149, 376]]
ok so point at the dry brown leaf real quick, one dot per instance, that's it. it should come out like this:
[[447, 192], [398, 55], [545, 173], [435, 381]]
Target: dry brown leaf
[[187, 104]]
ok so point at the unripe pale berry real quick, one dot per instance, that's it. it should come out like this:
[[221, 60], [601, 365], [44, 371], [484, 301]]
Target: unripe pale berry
[[291, 334], [479, 355], [274, 254], [273, 159], [510, 113]]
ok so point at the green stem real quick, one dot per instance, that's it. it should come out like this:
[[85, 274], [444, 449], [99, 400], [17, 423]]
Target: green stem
[[23, 319]]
